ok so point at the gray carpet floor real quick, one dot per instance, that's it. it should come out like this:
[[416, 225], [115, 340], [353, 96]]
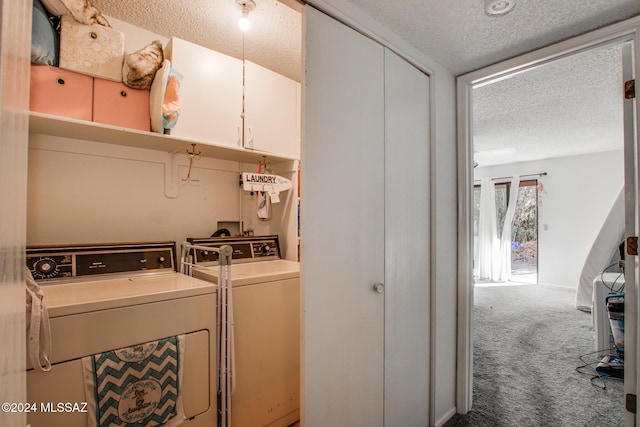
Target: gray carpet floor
[[528, 340]]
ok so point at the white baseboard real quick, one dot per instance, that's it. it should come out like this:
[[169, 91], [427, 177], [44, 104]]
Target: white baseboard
[[444, 418]]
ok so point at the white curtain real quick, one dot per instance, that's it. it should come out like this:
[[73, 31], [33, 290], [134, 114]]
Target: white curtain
[[494, 253], [504, 273], [488, 243]]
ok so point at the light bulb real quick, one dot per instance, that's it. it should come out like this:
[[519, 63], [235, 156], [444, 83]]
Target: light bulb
[[244, 22]]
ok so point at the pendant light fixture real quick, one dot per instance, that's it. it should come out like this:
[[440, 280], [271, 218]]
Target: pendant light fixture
[[245, 6], [498, 7]]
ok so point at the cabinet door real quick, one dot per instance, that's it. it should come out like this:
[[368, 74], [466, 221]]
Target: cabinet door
[[343, 226], [407, 289], [210, 94], [270, 108]]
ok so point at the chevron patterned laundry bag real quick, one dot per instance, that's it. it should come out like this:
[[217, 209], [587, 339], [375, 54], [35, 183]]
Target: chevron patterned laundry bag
[[136, 386]]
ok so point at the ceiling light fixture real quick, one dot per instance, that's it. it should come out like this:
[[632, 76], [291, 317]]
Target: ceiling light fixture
[[246, 6], [498, 7]]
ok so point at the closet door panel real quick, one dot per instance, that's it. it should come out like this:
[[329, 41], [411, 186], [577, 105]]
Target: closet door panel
[[343, 225], [407, 220]]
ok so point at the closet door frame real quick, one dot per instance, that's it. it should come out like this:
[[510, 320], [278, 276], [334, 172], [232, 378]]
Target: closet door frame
[[15, 55]]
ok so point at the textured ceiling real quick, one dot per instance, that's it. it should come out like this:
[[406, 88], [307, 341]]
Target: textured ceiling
[[455, 33], [565, 108], [458, 35], [274, 40], [568, 107]]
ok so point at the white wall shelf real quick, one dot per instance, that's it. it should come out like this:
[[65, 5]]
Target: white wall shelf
[[47, 124]]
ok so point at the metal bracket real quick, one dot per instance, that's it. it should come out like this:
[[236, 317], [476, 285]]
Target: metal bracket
[[632, 245], [630, 402], [193, 155], [630, 89], [224, 257]]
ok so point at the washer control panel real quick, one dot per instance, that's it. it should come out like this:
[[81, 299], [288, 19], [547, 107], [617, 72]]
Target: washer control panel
[[245, 249], [264, 249], [48, 264]]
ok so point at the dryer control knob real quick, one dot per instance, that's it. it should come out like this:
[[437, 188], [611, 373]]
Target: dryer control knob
[[45, 266]]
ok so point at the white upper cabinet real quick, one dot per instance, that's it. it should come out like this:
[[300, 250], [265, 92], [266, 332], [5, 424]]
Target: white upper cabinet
[[270, 111], [210, 94], [212, 101]]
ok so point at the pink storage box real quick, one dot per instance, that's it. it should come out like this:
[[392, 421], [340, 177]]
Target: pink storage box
[[61, 92], [119, 105]]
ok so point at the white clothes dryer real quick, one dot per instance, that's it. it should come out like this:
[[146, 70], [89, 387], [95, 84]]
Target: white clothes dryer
[[104, 298]]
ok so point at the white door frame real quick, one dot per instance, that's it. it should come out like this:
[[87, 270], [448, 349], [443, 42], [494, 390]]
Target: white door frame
[[628, 30], [15, 36]]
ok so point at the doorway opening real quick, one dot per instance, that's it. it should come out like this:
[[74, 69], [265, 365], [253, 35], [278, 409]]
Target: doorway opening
[[500, 156]]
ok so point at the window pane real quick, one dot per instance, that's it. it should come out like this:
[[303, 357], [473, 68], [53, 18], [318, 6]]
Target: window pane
[[524, 254]]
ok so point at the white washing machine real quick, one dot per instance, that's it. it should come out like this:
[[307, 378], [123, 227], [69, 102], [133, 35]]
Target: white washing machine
[[266, 314], [111, 297]]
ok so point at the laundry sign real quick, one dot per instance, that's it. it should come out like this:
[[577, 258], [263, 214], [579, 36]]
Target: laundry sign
[[265, 182]]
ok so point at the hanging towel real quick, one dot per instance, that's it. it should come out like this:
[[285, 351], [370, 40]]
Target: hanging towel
[[138, 385], [38, 327], [264, 206]]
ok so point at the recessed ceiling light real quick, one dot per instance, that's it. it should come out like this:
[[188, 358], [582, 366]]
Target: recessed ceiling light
[[498, 7]]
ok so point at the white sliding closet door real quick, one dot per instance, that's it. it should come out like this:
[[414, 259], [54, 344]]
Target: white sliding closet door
[[406, 244], [342, 226]]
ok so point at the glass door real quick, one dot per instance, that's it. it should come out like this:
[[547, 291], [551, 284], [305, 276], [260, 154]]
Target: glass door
[[524, 235]]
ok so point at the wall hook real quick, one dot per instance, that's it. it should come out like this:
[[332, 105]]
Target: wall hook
[[192, 156], [264, 167]]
